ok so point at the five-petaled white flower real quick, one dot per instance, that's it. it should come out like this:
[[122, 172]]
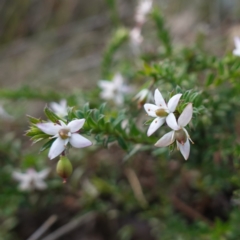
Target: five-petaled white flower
[[59, 108], [236, 51], [31, 179], [179, 133], [161, 111], [115, 89], [143, 9], [64, 134]]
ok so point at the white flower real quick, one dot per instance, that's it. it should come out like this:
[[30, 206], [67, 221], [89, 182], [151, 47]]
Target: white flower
[[136, 36], [143, 9], [161, 112], [31, 179], [179, 133], [114, 89], [59, 108], [64, 134], [236, 51]]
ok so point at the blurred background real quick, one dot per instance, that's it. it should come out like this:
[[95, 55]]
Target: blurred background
[[48, 42], [57, 45]]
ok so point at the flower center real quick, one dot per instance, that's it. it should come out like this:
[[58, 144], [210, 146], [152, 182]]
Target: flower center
[[161, 112], [181, 136], [64, 133]]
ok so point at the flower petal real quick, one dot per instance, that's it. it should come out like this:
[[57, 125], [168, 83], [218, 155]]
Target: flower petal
[[25, 185], [118, 80], [166, 140], [172, 122], [150, 109], [63, 124], [19, 176], [185, 116], [59, 108], [156, 123], [173, 102], [118, 98], [79, 141], [57, 148], [236, 52], [49, 128], [237, 42], [159, 101], [75, 125], [108, 89], [184, 149], [39, 184], [43, 174]]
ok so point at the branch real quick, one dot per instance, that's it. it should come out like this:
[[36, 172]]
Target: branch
[[189, 211], [71, 226], [46, 225]]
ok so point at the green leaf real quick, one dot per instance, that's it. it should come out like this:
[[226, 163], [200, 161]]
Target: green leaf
[[47, 145], [51, 116], [110, 139], [210, 79], [118, 120], [33, 119], [122, 143], [79, 114], [133, 151], [39, 137], [86, 108], [102, 108], [148, 122], [96, 114], [33, 131], [91, 122]]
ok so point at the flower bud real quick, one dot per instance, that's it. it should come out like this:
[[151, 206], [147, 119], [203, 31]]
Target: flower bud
[[64, 168], [181, 136]]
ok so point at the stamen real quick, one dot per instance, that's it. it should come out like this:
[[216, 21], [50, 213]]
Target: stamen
[[190, 140], [161, 112], [64, 133]]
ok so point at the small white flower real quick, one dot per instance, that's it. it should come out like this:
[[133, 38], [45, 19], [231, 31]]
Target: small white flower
[[115, 89], [64, 134], [179, 133], [136, 36], [236, 51], [31, 179], [161, 111], [59, 108], [143, 9]]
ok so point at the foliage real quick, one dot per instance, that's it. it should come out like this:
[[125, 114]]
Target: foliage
[[175, 198]]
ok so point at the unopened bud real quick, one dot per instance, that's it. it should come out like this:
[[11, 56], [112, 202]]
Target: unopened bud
[[64, 168], [181, 136]]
